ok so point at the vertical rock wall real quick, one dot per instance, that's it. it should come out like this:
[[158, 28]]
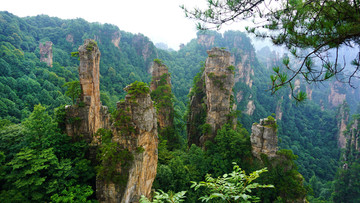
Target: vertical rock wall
[[216, 94], [46, 54], [343, 119], [135, 130], [85, 118], [161, 79], [263, 138]]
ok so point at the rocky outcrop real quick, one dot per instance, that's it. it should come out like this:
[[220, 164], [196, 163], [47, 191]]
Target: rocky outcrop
[[215, 92], [135, 131], [278, 111], [206, 40], [131, 139], [85, 118], [263, 138], [144, 48], [161, 93], [115, 38], [46, 53], [342, 121], [337, 94], [70, 38]]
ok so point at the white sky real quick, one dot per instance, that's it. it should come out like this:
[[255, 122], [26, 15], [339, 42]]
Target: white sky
[[160, 20]]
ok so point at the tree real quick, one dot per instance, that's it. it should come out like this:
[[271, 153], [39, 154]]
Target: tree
[[73, 90], [311, 30], [232, 187]]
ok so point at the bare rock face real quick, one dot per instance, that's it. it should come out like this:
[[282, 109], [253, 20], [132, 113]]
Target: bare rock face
[[46, 54], [206, 40], [115, 38], [263, 138], [133, 134], [336, 96], [88, 115], [343, 119], [135, 130], [161, 79], [216, 94]]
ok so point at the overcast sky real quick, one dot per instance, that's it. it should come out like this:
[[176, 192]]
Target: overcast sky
[[160, 20]]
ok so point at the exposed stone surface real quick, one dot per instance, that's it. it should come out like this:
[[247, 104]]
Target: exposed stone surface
[[70, 38], [161, 78], [115, 38], [244, 71], [309, 92], [46, 53], [206, 40], [144, 48], [354, 136], [343, 119], [216, 94], [263, 138], [250, 108], [85, 118], [336, 96], [89, 115], [142, 142], [278, 110]]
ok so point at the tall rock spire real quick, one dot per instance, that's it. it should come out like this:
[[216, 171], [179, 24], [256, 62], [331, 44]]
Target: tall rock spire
[[134, 134], [46, 54], [88, 115], [213, 99], [161, 94]]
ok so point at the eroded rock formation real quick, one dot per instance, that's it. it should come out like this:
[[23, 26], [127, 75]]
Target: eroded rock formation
[[46, 54], [337, 94], [206, 40], [85, 118], [161, 92], [132, 137], [215, 91], [263, 138], [343, 119], [134, 130]]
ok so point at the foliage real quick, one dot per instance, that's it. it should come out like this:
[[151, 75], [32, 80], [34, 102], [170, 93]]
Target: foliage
[[42, 164], [233, 187], [110, 154], [73, 90], [138, 88], [162, 197], [308, 29]]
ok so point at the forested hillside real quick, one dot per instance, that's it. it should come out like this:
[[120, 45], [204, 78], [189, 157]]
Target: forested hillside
[[40, 163]]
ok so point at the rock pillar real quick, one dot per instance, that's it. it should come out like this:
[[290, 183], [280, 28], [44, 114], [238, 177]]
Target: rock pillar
[[134, 130], [263, 138], [161, 94], [46, 54], [88, 115], [215, 95]]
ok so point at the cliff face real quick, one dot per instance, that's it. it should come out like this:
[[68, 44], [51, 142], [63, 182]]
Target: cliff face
[[216, 94], [206, 40], [130, 170], [263, 138], [161, 94], [343, 119], [46, 54], [336, 97], [88, 115], [135, 131], [144, 48]]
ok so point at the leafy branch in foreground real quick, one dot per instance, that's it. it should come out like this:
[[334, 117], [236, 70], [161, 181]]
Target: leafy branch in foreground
[[162, 197], [232, 187]]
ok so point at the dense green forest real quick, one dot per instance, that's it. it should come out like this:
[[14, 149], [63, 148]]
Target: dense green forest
[[40, 163]]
